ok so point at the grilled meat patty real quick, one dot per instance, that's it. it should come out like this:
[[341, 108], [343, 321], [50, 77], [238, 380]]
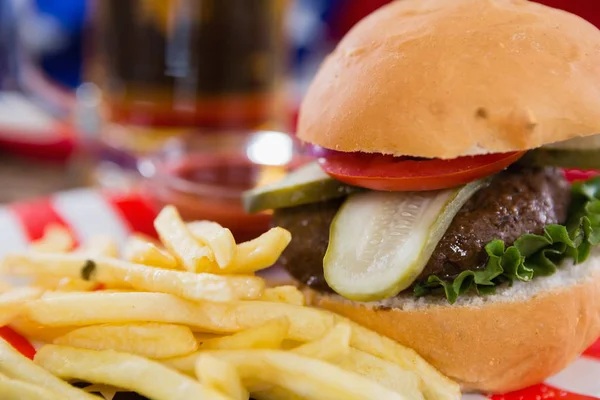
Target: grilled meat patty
[[517, 201]]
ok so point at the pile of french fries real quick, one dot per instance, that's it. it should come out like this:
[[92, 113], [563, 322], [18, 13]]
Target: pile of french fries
[[187, 318]]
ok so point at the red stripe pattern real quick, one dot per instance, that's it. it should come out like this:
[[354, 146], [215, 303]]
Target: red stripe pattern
[[136, 212], [542, 392], [34, 216], [593, 351]]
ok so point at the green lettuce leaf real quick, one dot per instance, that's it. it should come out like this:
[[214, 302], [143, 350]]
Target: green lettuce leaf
[[530, 255]]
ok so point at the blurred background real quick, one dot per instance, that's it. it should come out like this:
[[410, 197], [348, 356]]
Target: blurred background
[[187, 101]]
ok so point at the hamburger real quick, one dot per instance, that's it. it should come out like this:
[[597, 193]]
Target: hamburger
[[437, 212]]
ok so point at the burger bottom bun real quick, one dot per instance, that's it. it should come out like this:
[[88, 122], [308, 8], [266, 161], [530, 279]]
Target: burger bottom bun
[[503, 342]]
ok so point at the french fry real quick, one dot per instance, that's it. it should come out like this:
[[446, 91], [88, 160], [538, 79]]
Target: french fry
[[307, 377], [260, 253], [56, 239], [111, 271], [220, 240], [150, 340], [148, 378], [284, 294], [435, 385], [267, 336], [12, 389], [80, 309], [16, 366], [154, 327], [99, 246], [180, 242], [4, 286], [53, 294], [35, 331], [56, 283], [385, 372], [140, 251], [305, 324], [13, 301], [74, 285], [43, 281], [185, 364], [221, 376], [333, 346]]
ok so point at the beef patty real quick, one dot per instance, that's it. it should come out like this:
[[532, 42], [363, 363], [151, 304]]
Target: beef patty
[[517, 201]]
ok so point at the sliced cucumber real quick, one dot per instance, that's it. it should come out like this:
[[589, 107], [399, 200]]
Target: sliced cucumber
[[564, 158], [379, 242], [577, 143], [308, 184]]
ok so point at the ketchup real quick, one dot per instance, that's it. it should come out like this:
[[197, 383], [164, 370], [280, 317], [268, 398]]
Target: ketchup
[[210, 186]]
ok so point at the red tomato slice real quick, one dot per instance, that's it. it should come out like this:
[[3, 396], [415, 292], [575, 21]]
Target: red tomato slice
[[382, 172], [17, 341], [574, 175]]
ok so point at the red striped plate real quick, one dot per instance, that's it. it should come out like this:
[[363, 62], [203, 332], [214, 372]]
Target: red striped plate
[[88, 212]]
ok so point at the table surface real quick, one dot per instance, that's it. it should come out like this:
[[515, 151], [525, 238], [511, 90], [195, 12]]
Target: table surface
[[23, 178]]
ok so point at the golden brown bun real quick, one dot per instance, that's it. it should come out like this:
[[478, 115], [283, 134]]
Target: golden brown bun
[[442, 79], [497, 344]]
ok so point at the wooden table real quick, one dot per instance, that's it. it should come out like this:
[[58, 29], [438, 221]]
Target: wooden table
[[24, 178]]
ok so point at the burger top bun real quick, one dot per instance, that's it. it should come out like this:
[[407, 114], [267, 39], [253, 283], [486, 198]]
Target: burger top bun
[[443, 79]]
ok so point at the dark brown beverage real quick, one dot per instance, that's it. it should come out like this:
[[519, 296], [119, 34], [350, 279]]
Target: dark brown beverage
[[191, 63]]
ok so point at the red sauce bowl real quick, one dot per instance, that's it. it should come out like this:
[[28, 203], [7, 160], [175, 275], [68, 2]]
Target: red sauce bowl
[[204, 175]]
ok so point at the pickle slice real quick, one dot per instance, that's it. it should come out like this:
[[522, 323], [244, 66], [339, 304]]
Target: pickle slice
[[563, 158], [308, 184], [379, 242]]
